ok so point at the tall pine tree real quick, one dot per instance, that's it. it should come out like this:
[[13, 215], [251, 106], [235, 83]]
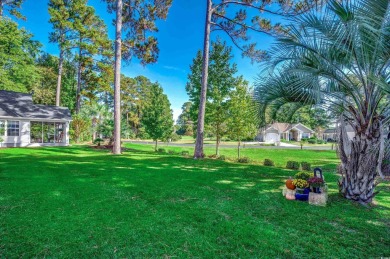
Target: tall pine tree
[[136, 20]]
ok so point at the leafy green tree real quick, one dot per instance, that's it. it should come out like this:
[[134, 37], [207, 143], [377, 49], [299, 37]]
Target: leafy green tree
[[157, 117], [184, 121], [242, 120], [44, 89], [340, 60], [220, 83], [12, 6], [136, 20], [18, 52]]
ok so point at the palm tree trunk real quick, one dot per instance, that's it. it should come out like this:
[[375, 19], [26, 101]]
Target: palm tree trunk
[[361, 161], [203, 96], [117, 81]]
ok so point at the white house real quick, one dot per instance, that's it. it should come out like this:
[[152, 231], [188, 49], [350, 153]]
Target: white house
[[287, 131], [24, 124]]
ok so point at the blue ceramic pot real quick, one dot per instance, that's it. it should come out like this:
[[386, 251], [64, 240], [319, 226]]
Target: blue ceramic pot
[[303, 196]]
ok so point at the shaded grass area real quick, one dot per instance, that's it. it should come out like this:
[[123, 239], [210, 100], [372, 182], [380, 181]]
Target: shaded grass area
[[78, 202]]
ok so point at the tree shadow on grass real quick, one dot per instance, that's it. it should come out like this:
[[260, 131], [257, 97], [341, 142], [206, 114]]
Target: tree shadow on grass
[[86, 202]]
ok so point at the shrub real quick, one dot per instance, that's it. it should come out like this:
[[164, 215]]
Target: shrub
[[171, 152], [161, 150], [175, 137], [185, 153], [98, 141], [303, 175], [243, 160], [306, 166], [312, 141], [223, 158], [320, 141], [292, 165], [269, 162]]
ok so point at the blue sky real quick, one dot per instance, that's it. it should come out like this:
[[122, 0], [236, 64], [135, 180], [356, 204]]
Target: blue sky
[[180, 37]]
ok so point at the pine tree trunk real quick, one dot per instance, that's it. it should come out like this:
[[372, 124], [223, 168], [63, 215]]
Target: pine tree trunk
[[361, 161], [117, 84], [59, 78], [155, 145], [78, 90], [1, 8], [203, 96]]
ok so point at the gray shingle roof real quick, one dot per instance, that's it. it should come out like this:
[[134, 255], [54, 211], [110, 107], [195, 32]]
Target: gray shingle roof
[[20, 105]]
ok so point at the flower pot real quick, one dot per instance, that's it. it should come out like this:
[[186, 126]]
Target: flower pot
[[316, 189], [302, 194]]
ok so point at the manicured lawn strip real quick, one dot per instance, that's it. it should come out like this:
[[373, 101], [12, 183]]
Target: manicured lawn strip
[[326, 159], [78, 202]]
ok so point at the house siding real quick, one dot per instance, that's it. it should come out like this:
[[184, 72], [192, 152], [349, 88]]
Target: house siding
[[23, 140]]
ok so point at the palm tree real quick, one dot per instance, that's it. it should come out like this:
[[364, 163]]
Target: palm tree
[[341, 60]]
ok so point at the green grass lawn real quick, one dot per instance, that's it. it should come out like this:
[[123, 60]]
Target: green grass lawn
[[79, 202]]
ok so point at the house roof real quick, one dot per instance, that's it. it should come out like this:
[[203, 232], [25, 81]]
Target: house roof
[[285, 127], [20, 105]]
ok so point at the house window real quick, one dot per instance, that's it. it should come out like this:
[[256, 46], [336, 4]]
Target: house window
[[305, 135], [13, 128], [2, 128]]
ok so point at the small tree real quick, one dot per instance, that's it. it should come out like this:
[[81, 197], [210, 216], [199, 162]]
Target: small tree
[[79, 127], [242, 122], [157, 117]]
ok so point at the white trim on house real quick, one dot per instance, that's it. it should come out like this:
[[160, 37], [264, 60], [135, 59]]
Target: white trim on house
[[24, 137]]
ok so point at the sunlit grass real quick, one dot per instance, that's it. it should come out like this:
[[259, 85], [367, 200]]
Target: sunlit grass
[[79, 202]]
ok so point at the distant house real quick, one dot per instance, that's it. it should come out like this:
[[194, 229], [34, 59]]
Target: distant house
[[331, 133], [23, 123], [286, 131]]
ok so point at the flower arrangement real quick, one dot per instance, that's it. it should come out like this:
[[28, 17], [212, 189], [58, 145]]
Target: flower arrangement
[[316, 182], [303, 175], [300, 183]]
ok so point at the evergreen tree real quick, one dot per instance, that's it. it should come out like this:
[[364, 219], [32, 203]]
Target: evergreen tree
[[136, 20], [157, 117], [61, 20], [12, 6], [90, 36]]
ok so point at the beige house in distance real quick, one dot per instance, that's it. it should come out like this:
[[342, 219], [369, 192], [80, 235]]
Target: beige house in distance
[[284, 131]]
